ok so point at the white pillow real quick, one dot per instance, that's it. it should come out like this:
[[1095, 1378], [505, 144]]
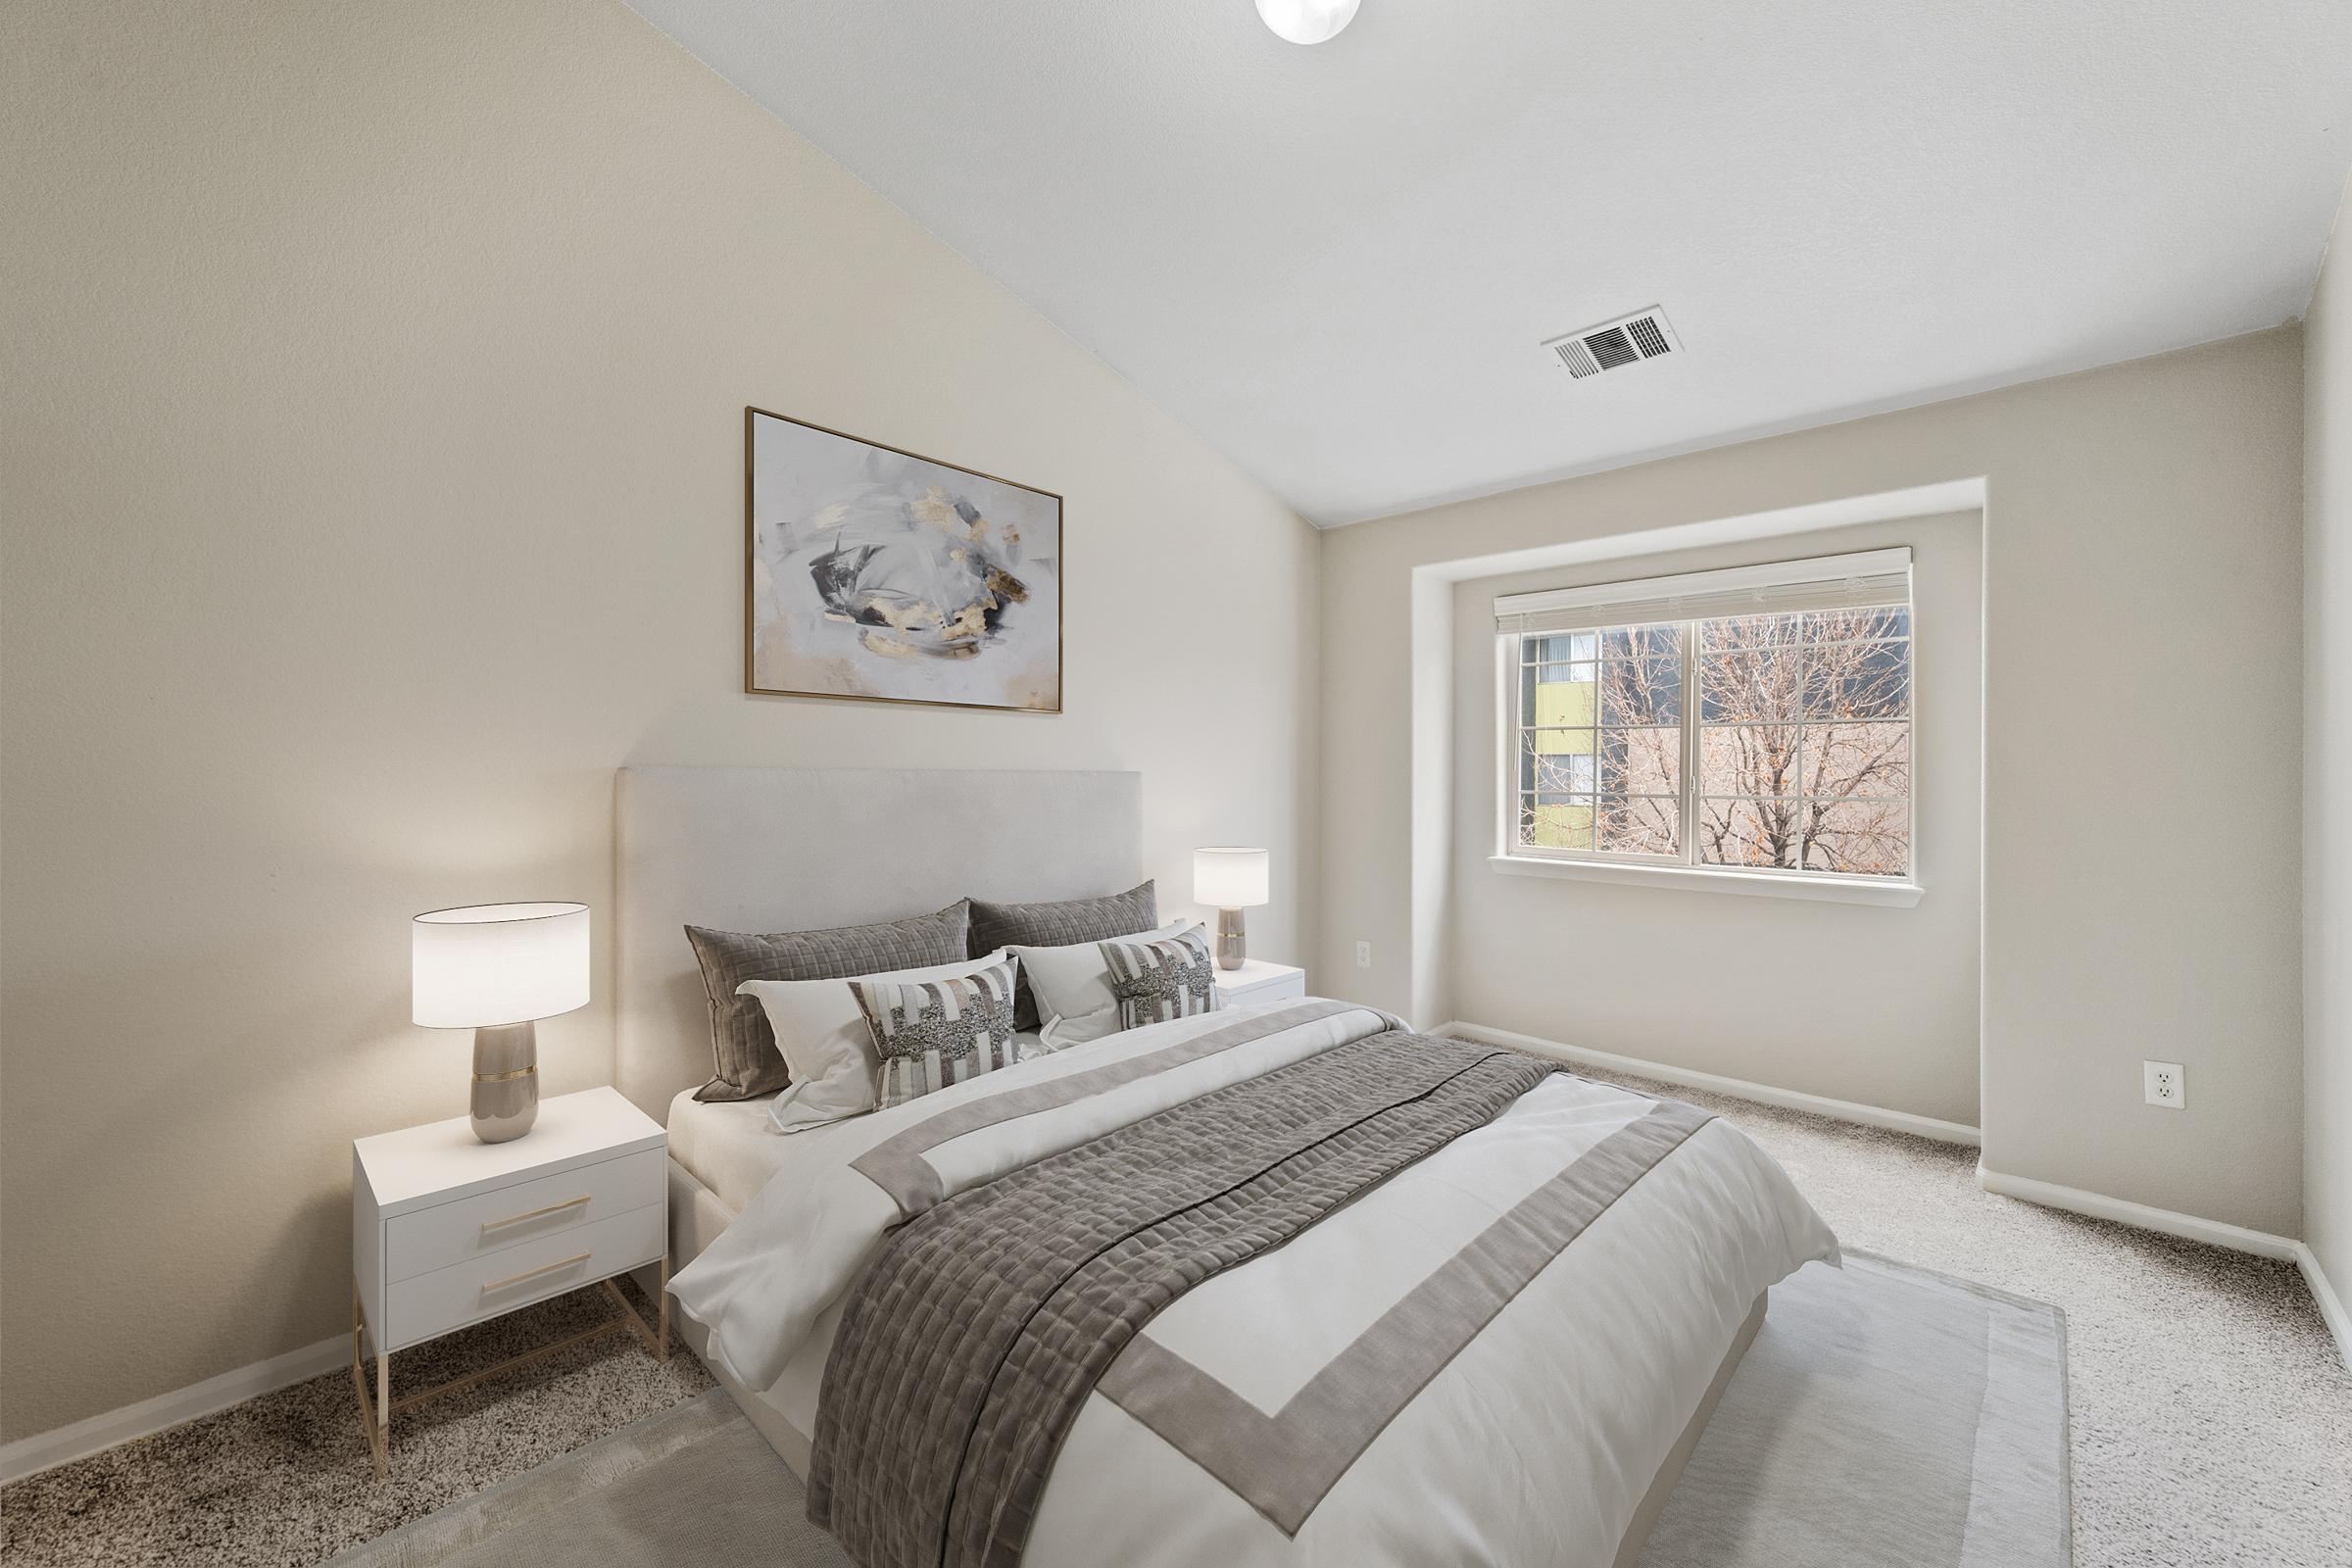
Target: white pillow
[[1072, 987], [827, 1044]]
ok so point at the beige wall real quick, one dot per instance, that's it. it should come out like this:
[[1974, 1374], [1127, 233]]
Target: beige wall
[[2328, 764], [2142, 812], [1876, 1006], [374, 394]]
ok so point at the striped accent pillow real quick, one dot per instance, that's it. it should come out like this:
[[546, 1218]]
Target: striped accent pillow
[[933, 1033], [1156, 981]]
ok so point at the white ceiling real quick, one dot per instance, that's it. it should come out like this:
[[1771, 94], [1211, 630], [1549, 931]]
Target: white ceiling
[[1336, 263]]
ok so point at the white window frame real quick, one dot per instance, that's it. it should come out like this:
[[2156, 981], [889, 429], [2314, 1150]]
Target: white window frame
[[1643, 600]]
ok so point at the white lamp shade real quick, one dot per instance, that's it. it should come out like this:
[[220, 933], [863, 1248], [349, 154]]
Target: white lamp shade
[[498, 963], [1306, 22], [1232, 879]]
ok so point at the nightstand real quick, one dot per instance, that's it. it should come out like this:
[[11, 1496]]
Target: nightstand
[[448, 1231], [1257, 982]]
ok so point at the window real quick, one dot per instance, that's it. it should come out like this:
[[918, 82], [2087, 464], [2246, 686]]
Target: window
[[1757, 720]]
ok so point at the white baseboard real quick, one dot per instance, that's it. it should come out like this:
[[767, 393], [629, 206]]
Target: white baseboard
[[1901, 1121], [2190, 1227], [2098, 1205], [46, 1449], [2331, 1305]]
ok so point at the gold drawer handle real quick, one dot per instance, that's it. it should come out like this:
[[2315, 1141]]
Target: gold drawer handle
[[536, 1213], [535, 1273]]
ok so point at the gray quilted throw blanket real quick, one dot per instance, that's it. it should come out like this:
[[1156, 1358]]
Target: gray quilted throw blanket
[[970, 1342]]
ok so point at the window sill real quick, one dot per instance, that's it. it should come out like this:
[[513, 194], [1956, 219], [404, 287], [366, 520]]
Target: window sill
[[1710, 879]]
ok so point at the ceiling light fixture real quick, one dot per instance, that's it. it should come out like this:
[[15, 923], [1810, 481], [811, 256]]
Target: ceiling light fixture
[[1306, 20]]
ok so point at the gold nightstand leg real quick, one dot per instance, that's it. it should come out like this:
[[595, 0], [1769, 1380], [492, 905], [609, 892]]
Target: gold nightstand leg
[[378, 1421], [376, 1415], [655, 1340]]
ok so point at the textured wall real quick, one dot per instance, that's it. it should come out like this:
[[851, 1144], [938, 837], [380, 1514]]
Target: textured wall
[[2328, 764], [2142, 840], [374, 424]]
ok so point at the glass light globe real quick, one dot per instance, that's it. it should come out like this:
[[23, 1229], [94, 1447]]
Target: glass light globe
[[1306, 20]]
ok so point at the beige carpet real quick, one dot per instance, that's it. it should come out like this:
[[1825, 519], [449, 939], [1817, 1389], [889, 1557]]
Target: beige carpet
[[1883, 1415], [285, 1480], [2212, 1415], [2211, 1419]]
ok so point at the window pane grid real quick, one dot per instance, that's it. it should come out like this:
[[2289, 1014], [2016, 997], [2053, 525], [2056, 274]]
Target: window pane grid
[[1816, 705]]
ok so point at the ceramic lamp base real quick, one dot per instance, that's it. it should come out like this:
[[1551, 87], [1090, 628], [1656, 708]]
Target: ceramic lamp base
[[505, 1080], [1233, 945]]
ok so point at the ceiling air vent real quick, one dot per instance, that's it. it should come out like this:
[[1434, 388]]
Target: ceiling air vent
[[1627, 340]]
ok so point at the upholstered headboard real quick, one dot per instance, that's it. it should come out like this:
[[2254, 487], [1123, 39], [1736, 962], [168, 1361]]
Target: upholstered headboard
[[754, 849]]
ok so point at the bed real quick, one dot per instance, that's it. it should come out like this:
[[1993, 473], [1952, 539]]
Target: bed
[[1463, 1307]]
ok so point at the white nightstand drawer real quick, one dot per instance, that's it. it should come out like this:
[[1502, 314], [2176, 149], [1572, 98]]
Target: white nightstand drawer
[[430, 1239], [429, 1305]]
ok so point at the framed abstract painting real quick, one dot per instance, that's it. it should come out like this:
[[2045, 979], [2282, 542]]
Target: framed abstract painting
[[877, 574]]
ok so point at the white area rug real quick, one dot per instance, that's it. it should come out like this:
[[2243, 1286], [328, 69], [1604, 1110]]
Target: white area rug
[[1884, 1415]]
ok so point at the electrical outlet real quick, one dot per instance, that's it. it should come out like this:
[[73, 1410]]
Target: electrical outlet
[[2165, 1083], [1363, 954]]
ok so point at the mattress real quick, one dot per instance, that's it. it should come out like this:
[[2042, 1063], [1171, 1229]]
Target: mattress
[[728, 1145]]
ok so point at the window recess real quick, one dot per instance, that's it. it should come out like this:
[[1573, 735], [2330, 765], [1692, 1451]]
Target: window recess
[[1757, 721]]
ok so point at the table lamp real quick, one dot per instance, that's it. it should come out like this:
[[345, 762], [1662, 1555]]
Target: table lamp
[[496, 968], [1233, 880]]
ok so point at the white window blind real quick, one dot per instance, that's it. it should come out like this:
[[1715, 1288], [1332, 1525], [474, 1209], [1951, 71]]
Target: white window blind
[[1826, 582]]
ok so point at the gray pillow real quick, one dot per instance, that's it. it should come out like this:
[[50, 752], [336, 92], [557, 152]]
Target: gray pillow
[[1058, 925], [745, 1059]]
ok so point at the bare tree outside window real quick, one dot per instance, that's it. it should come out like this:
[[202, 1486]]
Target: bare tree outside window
[[1805, 741], [1802, 742]]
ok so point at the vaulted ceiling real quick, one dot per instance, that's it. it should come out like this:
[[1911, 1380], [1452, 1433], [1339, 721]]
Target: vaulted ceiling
[[1336, 263]]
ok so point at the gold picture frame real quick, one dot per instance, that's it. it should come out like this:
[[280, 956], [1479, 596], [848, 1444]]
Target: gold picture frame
[[872, 573]]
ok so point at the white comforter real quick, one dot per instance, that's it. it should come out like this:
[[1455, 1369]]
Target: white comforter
[[1532, 1446]]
